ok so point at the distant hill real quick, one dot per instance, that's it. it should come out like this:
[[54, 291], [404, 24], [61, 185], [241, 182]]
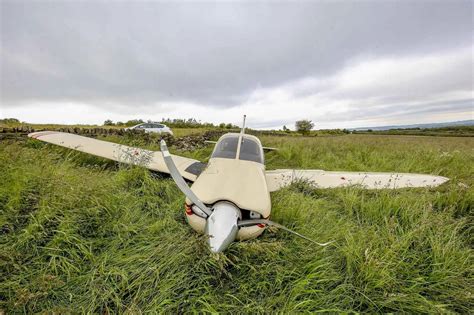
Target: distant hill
[[433, 125]]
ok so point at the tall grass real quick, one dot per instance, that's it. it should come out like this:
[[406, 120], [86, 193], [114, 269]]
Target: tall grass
[[82, 234]]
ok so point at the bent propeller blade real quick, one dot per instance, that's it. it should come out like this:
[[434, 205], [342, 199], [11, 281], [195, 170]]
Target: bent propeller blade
[[178, 179], [277, 225], [222, 226]]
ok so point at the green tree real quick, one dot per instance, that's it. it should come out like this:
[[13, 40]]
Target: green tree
[[108, 122], [134, 122], [9, 121], [304, 126]]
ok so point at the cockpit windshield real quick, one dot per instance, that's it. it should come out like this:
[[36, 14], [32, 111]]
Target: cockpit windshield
[[250, 149], [226, 148]]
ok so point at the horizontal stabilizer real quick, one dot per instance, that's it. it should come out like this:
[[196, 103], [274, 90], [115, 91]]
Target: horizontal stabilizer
[[264, 148], [270, 149]]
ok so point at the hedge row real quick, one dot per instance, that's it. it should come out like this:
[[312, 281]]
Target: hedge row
[[75, 130]]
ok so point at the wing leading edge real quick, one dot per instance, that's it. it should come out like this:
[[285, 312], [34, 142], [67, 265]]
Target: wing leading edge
[[277, 179], [117, 152]]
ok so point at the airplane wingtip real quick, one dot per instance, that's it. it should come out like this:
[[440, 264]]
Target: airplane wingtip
[[37, 134]]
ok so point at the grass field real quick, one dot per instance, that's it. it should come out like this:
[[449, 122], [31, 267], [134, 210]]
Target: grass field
[[83, 234]]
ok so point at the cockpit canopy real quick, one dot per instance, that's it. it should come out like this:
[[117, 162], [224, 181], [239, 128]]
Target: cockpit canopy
[[250, 149]]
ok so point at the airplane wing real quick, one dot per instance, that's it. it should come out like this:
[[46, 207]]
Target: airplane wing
[[277, 179], [188, 168]]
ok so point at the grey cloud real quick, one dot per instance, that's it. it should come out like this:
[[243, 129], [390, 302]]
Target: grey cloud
[[379, 115], [210, 54], [389, 111]]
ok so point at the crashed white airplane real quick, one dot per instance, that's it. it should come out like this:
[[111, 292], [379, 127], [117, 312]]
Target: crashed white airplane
[[230, 197]]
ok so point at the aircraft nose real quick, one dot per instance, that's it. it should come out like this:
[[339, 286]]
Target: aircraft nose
[[221, 226]]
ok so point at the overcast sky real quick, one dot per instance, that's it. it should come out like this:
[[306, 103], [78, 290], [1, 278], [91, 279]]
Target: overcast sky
[[341, 64]]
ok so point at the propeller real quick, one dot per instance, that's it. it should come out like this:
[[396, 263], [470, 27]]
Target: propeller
[[277, 225], [178, 179]]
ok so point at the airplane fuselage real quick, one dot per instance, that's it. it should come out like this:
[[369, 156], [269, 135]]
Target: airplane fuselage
[[235, 174]]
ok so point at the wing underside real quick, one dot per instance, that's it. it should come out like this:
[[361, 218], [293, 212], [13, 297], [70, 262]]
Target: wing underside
[[277, 179], [120, 153]]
